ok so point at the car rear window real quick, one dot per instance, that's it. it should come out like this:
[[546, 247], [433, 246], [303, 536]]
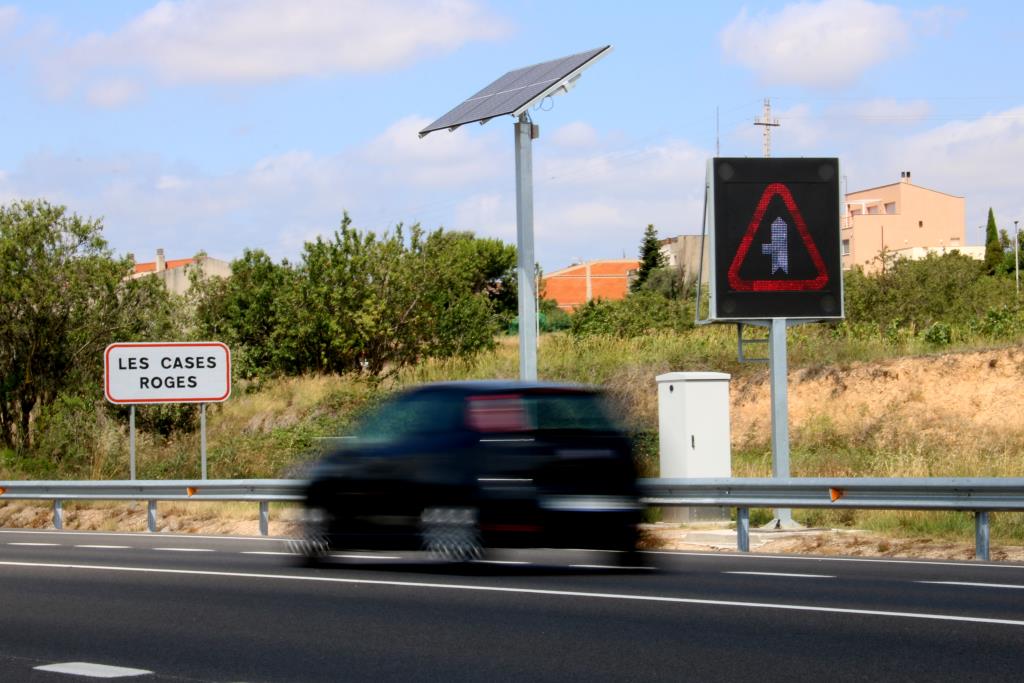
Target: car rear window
[[576, 410]]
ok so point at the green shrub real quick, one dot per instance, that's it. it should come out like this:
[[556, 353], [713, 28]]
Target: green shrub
[[939, 334]]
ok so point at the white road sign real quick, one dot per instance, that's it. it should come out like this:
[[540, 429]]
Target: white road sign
[[167, 372]]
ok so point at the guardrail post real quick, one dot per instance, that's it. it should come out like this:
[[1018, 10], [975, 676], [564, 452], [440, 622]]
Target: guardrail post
[[151, 516], [58, 513], [743, 530], [264, 518], [981, 535]]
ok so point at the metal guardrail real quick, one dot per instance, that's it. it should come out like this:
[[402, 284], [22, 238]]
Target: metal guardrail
[[263, 491], [980, 496]]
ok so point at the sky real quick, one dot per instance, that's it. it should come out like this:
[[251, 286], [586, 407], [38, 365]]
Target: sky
[[222, 125]]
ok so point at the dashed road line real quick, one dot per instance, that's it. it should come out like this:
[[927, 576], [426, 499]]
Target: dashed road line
[[971, 584], [105, 547], [188, 550], [36, 545], [92, 670], [794, 576]]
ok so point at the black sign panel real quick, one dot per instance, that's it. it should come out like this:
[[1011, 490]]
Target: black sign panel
[[776, 239]]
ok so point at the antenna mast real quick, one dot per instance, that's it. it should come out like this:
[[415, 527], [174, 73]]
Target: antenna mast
[[767, 123]]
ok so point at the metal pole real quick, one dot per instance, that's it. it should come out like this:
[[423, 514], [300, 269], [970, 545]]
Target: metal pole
[[131, 441], [58, 514], [743, 530], [202, 436], [151, 516], [981, 535], [264, 518], [1016, 259], [779, 371], [524, 243]]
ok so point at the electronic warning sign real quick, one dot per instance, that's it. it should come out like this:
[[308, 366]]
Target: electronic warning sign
[[774, 226]]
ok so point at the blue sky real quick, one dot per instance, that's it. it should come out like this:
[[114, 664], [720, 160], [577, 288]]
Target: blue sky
[[229, 124]]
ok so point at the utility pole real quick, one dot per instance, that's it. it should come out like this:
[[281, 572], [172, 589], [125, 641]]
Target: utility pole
[[1016, 259], [767, 123]]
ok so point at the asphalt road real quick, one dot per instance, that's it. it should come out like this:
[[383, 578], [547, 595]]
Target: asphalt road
[[241, 609]]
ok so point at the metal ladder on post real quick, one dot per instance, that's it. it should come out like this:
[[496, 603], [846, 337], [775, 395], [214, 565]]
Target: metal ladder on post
[[742, 343]]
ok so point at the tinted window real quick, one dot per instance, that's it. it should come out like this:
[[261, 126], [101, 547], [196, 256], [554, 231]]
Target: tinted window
[[420, 414], [569, 411], [538, 411]]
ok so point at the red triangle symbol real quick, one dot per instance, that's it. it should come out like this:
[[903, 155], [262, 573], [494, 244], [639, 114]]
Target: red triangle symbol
[[808, 285]]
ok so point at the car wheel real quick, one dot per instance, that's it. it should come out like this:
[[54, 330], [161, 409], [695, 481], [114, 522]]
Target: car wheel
[[312, 544], [451, 534]]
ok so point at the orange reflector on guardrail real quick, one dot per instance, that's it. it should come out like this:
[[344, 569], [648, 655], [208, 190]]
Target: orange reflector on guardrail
[[191, 490], [2, 490], [836, 494]]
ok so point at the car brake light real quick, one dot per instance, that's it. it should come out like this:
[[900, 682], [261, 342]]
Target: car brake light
[[496, 413]]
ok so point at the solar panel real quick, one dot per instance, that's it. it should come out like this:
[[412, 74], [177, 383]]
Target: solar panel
[[518, 90]]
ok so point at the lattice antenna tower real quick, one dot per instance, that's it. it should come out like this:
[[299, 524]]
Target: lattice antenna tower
[[766, 123]]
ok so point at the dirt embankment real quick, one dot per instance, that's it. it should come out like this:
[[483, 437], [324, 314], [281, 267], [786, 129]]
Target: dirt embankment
[[949, 398]]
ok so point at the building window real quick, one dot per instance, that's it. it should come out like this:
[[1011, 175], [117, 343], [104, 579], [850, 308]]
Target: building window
[[873, 209], [890, 207], [846, 247]]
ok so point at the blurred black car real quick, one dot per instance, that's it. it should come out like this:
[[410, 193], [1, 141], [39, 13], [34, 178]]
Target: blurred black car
[[458, 467]]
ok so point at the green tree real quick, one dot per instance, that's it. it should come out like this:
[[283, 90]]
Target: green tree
[[373, 304], [63, 298], [241, 310], [651, 257], [994, 256]]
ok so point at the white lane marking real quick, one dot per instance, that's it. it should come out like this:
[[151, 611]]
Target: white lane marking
[[604, 566], [106, 547], [499, 562], [35, 544], [795, 576], [368, 557], [188, 550], [521, 591], [973, 585], [813, 558], [90, 670], [266, 552]]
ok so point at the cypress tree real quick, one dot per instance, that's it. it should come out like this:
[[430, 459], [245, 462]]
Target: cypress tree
[[651, 257], [994, 255]]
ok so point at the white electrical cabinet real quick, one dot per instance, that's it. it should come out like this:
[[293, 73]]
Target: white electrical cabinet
[[693, 432]]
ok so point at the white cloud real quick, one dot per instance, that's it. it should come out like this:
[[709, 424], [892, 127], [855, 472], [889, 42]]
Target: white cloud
[[114, 93], [977, 159], [575, 134], [255, 41], [591, 203], [824, 44]]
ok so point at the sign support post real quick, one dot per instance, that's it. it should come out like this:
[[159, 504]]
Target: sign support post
[[131, 441], [202, 437], [778, 367], [524, 227]]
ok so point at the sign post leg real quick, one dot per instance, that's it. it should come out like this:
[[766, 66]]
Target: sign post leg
[[202, 436], [131, 442], [524, 243], [779, 370]]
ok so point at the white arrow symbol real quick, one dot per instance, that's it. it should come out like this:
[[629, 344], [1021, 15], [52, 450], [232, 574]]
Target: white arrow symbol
[[778, 248]]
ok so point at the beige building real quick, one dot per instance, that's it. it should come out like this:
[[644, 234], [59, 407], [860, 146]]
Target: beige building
[[907, 220], [685, 252], [174, 273]]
